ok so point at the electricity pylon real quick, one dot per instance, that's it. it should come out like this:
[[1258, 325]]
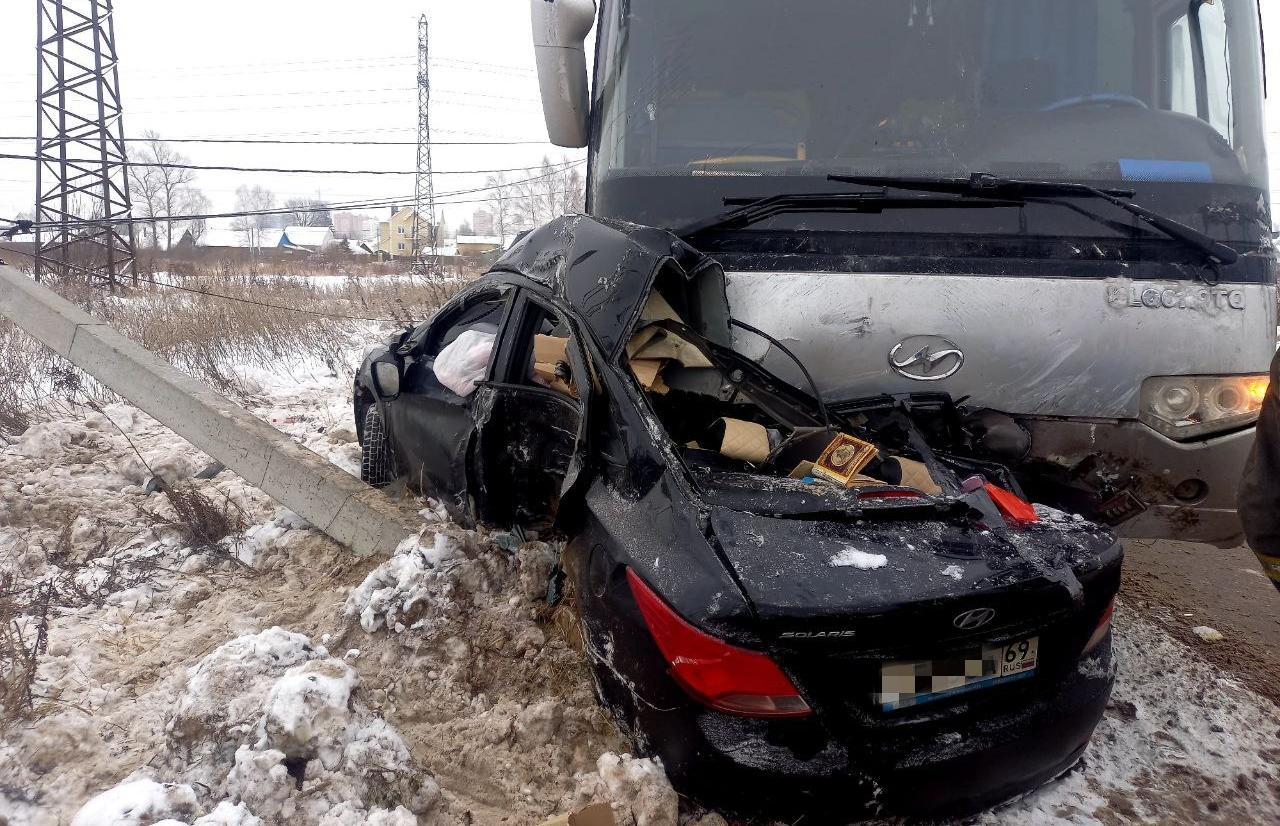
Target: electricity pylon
[[81, 168], [425, 247]]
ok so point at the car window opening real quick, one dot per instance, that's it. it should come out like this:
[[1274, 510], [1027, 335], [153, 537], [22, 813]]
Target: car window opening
[[548, 357], [464, 352], [528, 452]]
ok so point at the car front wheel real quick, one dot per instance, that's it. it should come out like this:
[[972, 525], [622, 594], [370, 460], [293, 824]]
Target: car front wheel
[[377, 463]]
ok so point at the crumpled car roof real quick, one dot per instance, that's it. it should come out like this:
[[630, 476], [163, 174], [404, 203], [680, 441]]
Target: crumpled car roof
[[602, 268]]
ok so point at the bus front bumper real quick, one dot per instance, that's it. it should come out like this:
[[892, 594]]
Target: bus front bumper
[[1143, 484]]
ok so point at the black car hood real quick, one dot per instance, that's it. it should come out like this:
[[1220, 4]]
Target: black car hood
[[602, 268], [797, 568]]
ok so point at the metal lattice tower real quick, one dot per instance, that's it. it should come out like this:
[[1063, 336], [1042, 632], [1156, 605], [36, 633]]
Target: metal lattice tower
[[81, 167], [425, 248]]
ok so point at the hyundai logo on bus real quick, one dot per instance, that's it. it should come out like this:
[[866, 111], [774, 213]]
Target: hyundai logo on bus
[[926, 358], [1172, 297], [974, 619]]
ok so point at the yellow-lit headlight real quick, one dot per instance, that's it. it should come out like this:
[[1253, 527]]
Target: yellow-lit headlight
[[1257, 388], [1186, 407]]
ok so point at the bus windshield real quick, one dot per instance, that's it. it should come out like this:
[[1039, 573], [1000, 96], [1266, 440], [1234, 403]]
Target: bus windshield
[[699, 100]]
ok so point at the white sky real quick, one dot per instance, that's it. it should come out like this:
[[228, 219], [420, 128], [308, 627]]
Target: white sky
[[291, 68], [328, 69]]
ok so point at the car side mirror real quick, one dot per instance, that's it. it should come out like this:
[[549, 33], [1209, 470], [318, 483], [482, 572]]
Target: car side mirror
[[560, 29], [386, 378]]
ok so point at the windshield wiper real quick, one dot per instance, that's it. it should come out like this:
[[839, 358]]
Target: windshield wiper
[[755, 210], [986, 186]]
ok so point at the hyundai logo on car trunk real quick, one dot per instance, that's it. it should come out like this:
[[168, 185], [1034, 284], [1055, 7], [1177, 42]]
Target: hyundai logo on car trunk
[[974, 619]]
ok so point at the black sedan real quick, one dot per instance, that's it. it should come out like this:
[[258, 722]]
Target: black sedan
[[796, 603]]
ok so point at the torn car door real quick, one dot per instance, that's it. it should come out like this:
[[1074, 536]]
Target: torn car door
[[530, 424], [431, 425]]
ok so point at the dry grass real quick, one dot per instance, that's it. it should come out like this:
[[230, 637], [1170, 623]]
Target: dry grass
[[211, 326], [28, 606], [207, 337], [203, 523]]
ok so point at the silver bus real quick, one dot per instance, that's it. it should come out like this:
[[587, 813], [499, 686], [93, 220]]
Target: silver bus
[[1070, 231]]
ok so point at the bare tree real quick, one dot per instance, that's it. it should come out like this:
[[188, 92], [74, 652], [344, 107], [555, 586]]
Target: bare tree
[[195, 203], [156, 172], [500, 196], [144, 192], [253, 199], [308, 212], [543, 193]]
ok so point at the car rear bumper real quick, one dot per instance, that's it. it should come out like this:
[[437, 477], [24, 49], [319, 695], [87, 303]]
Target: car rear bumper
[[1160, 470], [951, 765]]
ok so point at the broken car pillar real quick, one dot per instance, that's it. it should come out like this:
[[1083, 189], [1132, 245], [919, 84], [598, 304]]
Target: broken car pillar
[[335, 502]]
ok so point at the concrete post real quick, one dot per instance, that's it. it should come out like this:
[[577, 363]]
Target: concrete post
[[337, 503]]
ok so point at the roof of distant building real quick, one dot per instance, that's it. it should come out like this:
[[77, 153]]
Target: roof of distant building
[[222, 237], [307, 236]]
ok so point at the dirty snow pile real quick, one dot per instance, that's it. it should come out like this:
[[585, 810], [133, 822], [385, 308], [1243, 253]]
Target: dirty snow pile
[[266, 728], [481, 666], [279, 680]]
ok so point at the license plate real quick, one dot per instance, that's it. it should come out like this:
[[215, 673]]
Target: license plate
[[906, 684]]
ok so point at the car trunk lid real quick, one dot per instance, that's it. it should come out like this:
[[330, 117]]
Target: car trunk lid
[[837, 600]]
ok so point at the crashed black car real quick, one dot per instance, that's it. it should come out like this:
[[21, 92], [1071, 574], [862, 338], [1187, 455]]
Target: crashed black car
[[850, 603]]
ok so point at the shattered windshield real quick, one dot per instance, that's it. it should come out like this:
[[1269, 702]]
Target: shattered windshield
[[700, 100]]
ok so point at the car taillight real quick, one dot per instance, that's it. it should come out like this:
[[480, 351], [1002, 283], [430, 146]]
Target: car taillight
[[722, 676], [1100, 633], [1011, 506]]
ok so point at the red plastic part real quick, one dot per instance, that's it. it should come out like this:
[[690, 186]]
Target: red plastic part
[[1013, 507], [1100, 633], [722, 676]]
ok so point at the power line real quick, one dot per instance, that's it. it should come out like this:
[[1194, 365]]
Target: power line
[[223, 296], [295, 106], [347, 64], [312, 93], [312, 133], [280, 142], [268, 304], [365, 204], [220, 168]]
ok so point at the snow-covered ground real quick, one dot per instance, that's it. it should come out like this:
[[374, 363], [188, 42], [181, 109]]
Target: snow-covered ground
[[278, 680]]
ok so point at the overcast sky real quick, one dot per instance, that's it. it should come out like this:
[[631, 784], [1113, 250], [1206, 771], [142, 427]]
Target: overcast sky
[[320, 68], [325, 69]]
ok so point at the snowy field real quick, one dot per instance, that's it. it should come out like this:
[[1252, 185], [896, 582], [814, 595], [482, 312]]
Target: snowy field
[[270, 678]]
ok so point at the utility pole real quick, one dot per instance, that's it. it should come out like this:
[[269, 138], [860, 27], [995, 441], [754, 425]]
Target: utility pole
[[425, 246], [81, 166]]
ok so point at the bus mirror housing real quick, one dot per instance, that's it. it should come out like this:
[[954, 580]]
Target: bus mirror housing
[[560, 29]]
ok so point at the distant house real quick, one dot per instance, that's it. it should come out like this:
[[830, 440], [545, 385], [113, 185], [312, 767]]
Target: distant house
[[395, 237], [479, 244], [288, 240], [227, 240], [307, 239]]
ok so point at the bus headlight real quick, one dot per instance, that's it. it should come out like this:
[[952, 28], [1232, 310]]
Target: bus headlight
[[1184, 407]]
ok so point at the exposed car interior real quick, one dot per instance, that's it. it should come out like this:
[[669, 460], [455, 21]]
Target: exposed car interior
[[727, 415]]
